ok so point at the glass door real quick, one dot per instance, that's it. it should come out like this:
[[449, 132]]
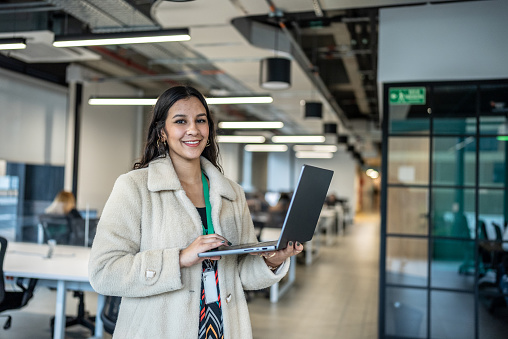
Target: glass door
[[443, 210]]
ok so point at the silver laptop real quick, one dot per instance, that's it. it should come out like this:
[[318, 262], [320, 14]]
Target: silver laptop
[[301, 218]]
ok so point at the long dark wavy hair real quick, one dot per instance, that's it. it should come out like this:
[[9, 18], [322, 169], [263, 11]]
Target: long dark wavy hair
[[154, 148]]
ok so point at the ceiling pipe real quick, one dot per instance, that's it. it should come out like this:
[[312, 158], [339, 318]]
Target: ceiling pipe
[[309, 68], [129, 63]]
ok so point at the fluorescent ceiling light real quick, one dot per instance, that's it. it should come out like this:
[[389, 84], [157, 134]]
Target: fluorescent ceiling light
[[315, 148], [151, 101], [314, 155], [266, 148], [14, 43], [241, 139], [239, 100], [251, 124], [122, 38], [372, 173], [294, 139], [122, 101]]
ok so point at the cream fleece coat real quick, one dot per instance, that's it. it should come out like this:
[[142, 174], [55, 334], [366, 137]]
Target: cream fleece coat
[[146, 222]]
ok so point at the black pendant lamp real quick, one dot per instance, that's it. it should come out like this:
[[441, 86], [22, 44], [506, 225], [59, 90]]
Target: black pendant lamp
[[275, 73], [313, 109], [342, 139], [330, 128]]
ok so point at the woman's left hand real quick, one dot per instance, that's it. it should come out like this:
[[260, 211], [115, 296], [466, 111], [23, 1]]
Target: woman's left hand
[[276, 258]]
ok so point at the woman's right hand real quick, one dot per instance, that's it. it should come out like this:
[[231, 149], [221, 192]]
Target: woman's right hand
[[203, 243]]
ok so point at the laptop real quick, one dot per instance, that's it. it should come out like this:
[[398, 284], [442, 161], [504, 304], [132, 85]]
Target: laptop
[[301, 218]]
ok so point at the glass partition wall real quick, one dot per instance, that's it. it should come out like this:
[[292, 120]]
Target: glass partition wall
[[444, 210]]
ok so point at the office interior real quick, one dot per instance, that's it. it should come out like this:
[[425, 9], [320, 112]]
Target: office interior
[[416, 91]]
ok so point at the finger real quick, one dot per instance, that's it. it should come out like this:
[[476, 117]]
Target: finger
[[218, 237], [218, 257], [289, 248]]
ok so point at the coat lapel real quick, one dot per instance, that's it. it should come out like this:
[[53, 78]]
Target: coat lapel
[[219, 188], [162, 177]]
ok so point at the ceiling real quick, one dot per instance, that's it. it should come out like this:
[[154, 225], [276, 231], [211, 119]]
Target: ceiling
[[332, 45]]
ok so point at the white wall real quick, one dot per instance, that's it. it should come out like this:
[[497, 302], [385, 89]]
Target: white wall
[[33, 118], [230, 160], [344, 182], [453, 41], [280, 172], [109, 143]]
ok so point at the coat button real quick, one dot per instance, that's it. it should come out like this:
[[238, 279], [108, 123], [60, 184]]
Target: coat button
[[228, 298]]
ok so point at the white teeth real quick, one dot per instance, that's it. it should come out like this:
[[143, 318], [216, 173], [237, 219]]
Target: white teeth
[[192, 142]]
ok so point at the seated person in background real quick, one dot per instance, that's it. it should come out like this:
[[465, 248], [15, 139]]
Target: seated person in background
[[277, 213], [282, 205], [257, 203], [64, 204], [331, 200]]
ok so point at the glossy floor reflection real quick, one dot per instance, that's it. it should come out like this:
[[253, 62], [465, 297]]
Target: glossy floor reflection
[[335, 297]]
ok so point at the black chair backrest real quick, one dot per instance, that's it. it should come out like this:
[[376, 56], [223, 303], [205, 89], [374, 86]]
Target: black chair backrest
[[3, 249], [56, 227], [78, 231], [483, 230], [109, 313], [499, 233]]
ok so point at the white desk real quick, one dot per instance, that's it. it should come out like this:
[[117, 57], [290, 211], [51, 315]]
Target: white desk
[[327, 220], [66, 270]]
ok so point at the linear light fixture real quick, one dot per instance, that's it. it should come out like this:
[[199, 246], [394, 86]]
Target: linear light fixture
[[295, 139], [315, 148], [502, 138], [266, 148], [151, 101], [241, 139], [251, 124], [122, 38], [12, 43], [122, 101], [314, 155], [239, 100]]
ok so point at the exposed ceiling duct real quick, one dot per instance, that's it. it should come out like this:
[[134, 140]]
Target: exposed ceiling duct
[[332, 46]]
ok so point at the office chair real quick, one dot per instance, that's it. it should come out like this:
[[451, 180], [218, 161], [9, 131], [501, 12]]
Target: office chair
[[495, 294], [499, 231], [82, 318], [109, 313], [460, 229], [12, 300], [78, 232], [55, 227], [67, 230]]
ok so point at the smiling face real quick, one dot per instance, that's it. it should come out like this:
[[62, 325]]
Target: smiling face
[[186, 130]]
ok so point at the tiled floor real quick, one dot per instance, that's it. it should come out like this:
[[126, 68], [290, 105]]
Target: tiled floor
[[335, 297]]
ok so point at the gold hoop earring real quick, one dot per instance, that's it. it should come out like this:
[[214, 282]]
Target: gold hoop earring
[[159, 142], [207, 143]]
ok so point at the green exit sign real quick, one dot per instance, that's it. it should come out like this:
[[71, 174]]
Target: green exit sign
[[407, 95]]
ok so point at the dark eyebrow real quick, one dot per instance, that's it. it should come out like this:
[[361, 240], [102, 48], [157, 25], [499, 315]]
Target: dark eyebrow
[[178, 116], [185, 116]]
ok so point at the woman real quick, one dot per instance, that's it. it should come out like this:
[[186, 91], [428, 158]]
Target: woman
[[64, 204], [155, 223]]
